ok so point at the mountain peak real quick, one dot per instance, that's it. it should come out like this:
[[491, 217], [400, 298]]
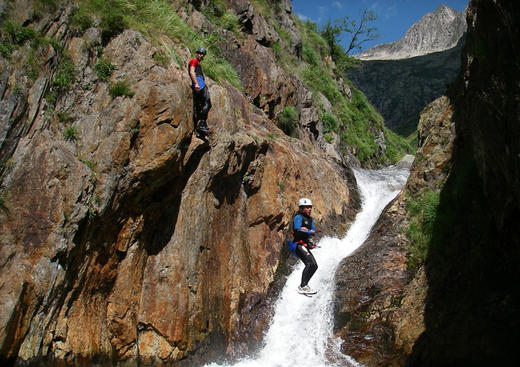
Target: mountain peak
[[436, 31]]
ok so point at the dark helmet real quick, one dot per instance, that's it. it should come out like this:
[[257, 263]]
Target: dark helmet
[[201, 50]]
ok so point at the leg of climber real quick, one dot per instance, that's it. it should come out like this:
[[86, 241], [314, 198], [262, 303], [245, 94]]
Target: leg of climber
[[205, 99], [311, 266]]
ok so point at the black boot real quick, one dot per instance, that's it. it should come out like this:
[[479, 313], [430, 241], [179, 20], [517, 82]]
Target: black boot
[[202, 128]]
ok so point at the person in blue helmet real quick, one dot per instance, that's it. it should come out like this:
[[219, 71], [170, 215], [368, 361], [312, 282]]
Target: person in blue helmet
[[201, 96], [303, 230]]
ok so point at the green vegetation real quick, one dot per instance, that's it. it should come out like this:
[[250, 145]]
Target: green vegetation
[[71, 133], [412, 140], [64, 75], [328, 138], [422, 211], [329, 122], [272, 137], [157, 18], [46, 5], [3, 204], [31, 65], [217, 13], [121, 89], [80, 21], [14, 35], [104, 69], [33, 46], [288, 120], [63, 117], [355, 120], [360, 32]]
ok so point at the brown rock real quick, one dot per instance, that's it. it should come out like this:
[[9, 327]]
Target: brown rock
[[137, 241]]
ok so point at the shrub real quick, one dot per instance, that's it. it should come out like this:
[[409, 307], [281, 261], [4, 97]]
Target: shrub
[[46, 5], [310, 56], [63, 116], [329, 122], [14, 36], [18, 35], [80, 21], [31, 65], [422, 211], [229, 21], [3, 204], [288, 120], [6, 49], [104, 69], [111, 25], [328, 138], [71, 133], [219, 69], [65, 75], [121, 89], [158, 18]]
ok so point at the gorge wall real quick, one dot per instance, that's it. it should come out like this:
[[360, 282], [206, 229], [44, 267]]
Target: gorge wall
[[471, 313], [124, 237], [460, 307]]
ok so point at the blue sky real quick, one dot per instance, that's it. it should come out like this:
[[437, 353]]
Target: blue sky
[[394, 16]]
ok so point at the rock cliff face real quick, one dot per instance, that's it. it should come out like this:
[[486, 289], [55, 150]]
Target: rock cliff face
[[126, 239], [437, 31]]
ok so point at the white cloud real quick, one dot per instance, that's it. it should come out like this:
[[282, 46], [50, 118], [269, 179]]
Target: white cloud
[[302, 17], [322, 13]]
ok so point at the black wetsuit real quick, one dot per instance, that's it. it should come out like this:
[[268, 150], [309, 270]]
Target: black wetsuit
[[303, 249]]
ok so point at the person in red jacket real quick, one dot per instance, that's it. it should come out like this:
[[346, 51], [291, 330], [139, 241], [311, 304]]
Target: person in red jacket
[[201, 96]]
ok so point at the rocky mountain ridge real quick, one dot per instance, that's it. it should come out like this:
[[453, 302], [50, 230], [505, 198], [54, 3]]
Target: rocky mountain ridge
[[400, 89], [437, 31], [402, 77]]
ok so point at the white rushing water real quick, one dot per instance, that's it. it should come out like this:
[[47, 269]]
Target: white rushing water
[[301, 330]]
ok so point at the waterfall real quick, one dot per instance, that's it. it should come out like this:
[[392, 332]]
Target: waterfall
[[301, 330]]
